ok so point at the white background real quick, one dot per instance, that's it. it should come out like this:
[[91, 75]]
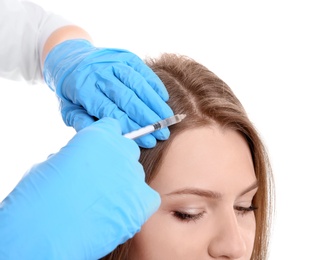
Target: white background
[[271, 55]]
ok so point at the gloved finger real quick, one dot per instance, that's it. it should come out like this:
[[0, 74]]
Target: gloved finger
[[142, 88], [126, 101], [149, 75], [146, 141], [75, 115], [133, 62]]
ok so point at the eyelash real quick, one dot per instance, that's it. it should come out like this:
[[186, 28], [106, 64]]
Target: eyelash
[[183, 216], [243, 210], [186, 217]]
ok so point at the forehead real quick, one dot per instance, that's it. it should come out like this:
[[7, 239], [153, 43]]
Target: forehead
[[206, 157]]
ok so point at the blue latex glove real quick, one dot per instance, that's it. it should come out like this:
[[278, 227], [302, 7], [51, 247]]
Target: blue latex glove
[[99, 82], [81, 202]]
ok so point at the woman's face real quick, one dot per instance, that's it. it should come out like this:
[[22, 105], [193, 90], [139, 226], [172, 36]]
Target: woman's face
[[207, 183]]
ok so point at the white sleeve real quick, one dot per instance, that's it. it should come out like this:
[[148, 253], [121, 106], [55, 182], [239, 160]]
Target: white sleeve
[[24, 28]]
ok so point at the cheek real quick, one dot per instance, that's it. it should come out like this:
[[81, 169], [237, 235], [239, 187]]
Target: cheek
[[163, 237], [153, 240]]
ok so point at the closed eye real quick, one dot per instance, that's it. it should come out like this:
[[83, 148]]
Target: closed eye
[[187, 217], [245, 210]]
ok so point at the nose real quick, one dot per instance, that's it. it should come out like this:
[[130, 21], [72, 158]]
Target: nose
[[227, 241]]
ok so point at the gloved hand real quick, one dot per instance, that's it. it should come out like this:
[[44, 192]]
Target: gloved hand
[[81, 202], [99, 82]]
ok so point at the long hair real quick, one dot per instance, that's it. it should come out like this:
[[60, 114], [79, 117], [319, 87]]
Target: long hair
[[206, 99]]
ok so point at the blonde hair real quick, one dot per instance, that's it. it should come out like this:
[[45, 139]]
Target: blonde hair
[[205, 99]]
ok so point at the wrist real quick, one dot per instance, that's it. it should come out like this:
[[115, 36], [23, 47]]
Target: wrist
[[62, 59], [62, 34]]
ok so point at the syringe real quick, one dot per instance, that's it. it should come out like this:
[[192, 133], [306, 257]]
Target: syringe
[[156, 126]]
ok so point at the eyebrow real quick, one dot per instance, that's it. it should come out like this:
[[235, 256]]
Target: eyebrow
[[208, 193], [195, 191]]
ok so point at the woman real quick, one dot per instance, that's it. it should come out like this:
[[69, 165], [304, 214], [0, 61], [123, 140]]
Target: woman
[[213, 175]]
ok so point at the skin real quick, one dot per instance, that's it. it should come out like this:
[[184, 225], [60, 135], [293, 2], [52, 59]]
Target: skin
[[62, 34], [207, 183]]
